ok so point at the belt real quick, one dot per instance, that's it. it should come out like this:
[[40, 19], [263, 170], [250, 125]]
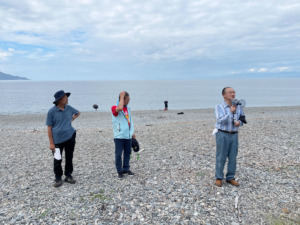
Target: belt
[[228, 132]]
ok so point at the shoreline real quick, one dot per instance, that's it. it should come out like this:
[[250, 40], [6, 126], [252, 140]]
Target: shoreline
[[157, 110], [102, 120]]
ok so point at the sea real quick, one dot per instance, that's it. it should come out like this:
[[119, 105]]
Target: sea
[[36, 97]]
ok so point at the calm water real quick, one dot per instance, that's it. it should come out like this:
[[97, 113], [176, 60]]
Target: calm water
[[26, 97]]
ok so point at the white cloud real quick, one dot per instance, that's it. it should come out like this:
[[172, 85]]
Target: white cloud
[[50, 22], [4, 55], [283, 69], [262, 70], [276, 69], [39, 55], [232, 32]]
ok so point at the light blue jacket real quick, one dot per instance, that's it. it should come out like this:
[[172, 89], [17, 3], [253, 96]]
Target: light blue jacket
[[121, 127]]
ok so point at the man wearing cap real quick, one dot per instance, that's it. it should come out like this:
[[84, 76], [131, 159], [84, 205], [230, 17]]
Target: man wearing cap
[[123, 134], [227, 126], [62, 135]]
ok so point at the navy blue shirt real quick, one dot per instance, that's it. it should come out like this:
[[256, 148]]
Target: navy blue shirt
[[60, 121]]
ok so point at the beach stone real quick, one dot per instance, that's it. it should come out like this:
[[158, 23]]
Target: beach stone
[[160, 193], [286, 211], [13, 221], [114, 209]]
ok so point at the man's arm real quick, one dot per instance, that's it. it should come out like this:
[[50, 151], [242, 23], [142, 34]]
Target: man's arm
[[50, 136], [221, 117], [121, 102]]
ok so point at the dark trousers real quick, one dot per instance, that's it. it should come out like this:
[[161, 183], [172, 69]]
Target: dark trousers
[[122, 145], [68, 146]]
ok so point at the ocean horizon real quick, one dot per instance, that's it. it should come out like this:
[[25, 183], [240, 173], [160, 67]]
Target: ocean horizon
[[35, 97]]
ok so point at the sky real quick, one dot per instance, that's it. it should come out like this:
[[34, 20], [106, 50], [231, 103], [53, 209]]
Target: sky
[[149, 40]]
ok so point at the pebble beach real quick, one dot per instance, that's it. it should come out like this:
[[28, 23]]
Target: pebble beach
[[174, 181]]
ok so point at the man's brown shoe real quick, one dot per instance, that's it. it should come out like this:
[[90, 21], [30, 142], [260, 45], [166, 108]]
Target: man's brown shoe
[[218, 183], [233, 182]]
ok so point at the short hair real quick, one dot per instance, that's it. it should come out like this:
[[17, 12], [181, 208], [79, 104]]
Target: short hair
[[224, 90], [126, 94]]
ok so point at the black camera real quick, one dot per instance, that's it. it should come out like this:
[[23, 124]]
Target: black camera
[[242, 103], [236, 102]]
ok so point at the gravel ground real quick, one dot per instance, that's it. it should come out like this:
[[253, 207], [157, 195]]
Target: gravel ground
[[174, 182]]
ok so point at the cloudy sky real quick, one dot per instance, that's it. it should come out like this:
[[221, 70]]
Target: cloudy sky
[[154, 39]]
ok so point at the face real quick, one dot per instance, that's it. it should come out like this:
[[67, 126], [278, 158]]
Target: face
[[126, 100], [63, 100], [229, 94]]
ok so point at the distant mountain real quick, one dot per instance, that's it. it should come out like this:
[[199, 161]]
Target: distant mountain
[[4, 76]]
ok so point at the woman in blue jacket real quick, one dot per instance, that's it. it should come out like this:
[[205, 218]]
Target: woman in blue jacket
[[123, 134]]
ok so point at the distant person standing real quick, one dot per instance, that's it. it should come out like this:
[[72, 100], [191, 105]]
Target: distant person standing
[[62, 135], [166, 105], [123, 133], [227, 136]]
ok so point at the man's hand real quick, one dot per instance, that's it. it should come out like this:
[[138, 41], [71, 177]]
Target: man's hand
[[133, 136], [237, 123], [75, 116], [121, 102], [122, 94], [52, 147], [232, 108]]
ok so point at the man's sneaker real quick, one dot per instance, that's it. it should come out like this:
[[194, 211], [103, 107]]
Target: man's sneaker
[[70, 180], [57, 183], [120, 175], [130, 173]]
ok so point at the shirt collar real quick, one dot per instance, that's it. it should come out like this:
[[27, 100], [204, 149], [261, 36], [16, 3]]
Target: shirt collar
[[58, 109], [225, 104]]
